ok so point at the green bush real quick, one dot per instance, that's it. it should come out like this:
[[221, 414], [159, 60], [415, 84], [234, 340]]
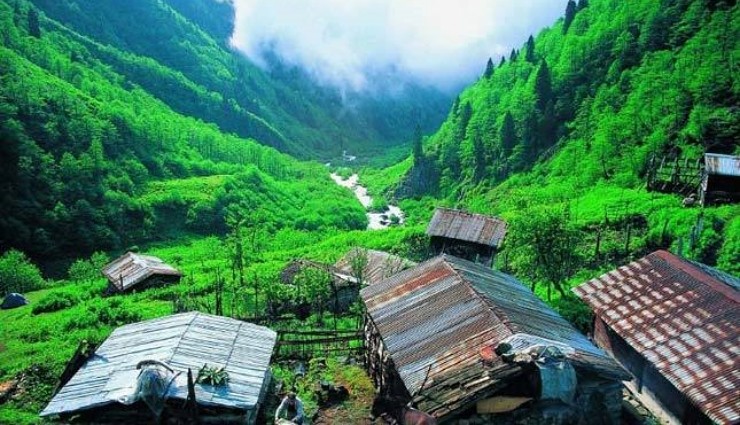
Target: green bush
[[18, 273], [55, 301]]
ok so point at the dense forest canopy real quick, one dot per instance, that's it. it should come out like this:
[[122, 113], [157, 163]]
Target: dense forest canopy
[[561, 132]]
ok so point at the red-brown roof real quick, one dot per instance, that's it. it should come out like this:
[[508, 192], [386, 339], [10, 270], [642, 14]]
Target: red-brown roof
[[684, 318], [443, 318], [468, 227]]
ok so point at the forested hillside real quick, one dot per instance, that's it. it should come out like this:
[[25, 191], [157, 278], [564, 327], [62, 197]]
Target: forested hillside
[[178, 52], [557, 136], [82, 147]]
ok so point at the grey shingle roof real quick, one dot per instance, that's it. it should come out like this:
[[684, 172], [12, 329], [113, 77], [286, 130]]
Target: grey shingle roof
[[182, 341], [468, 227]]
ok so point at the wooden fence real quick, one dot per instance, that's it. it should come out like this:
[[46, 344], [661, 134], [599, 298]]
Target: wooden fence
[[308, 344]]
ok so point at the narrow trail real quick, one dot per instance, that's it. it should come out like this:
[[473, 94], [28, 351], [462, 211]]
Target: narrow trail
[[376, 221]]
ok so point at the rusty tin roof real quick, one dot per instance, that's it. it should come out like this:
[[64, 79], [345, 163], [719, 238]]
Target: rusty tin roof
[[683, 319], [445, 316], [380, 265], [468, 227], [722, 165], [131, 269]]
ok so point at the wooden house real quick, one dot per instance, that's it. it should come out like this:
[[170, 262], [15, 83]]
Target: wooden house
[[370, 266], [674, 325], [474, 237], [471, 345], [344, 291], [346, 280], [139, 375], [135, 271], [720, 180]]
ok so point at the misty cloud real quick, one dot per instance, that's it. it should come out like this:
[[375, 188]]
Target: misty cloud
[[350, 43]]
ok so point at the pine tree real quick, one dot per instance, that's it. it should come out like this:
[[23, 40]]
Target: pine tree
[[507, 133], [543, 86], [570, 14], [489, 69], [479, 156], [418, 151], [502, 62], [33, 23], [465, 115], [582, 4], [529, 56], [513, 55]]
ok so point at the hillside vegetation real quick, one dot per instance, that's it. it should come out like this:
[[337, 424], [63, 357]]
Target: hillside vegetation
[[178, 51], [84, 152], [557, 137]]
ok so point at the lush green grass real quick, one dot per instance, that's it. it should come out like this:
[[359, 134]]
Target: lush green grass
[[191, 190], [50, 337]]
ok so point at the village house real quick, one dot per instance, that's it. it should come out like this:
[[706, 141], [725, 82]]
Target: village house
[[371, 266], [357, 268], [135, 271], [674, 324], [140, 374], [474, 237], [471, 345], [720, 179], [344, 291]]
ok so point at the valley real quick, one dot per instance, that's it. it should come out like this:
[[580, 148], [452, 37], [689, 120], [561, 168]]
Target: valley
[[136, 127]]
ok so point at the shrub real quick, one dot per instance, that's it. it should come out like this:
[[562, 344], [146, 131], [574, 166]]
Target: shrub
[[87, 270], [18, 273], [55, 301]]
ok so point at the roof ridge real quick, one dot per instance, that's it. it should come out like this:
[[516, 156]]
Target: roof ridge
[[699, 274], [497, 311], [182, 335]]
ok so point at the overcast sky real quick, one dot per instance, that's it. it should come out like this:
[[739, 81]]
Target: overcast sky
[[347, 43]]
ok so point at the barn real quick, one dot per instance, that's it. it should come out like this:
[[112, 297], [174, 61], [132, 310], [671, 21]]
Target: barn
[[674, 324], [135, 271], [139, 375], [471, 345], [474, 237]]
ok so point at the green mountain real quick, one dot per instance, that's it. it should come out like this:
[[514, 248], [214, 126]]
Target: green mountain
[[178, 51], [92, 160], [560, 134]]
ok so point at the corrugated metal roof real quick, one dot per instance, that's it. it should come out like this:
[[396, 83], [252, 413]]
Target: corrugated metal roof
[[446, 312], [683, 319], [468, 227], [131, 269], [722, 165], [380, 265], [182, 341]]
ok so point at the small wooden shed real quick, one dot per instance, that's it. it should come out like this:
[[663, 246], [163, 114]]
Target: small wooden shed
[[471, 345], [720, 180], [135, 271], [139, 375], [371, 266], [345, 289], [674, 324], [474, 237]]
